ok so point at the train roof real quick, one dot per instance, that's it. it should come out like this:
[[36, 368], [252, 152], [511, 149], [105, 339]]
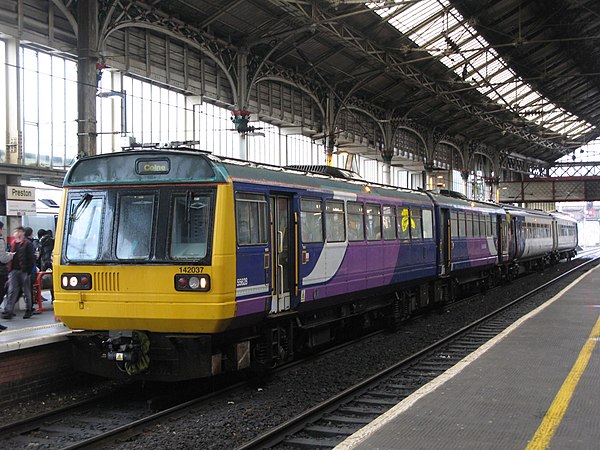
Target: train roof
[[459, 201], [286, 176], [518, 211]]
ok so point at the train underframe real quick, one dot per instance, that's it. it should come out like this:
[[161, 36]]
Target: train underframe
[[280, 337]]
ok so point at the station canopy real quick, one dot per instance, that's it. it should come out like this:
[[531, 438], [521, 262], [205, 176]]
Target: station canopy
[[522, 77]]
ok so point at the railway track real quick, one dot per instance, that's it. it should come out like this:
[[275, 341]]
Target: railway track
[[98, 421], [329, 423]]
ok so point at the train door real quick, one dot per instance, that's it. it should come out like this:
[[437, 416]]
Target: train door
[[283, 252], [501, 232], [513, 247], [446, 241]]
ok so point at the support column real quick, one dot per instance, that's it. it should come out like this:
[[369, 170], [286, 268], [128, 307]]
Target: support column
[[14, 132], [493, 184], [432, 139], [87, 82], [242, 88], [330, 132], [464, 174], [11, 221], [387, 154]]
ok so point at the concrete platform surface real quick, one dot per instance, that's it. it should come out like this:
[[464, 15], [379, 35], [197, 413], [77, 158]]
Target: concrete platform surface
[[39, 329]]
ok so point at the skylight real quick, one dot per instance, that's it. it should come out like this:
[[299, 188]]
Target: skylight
[[439, 29]]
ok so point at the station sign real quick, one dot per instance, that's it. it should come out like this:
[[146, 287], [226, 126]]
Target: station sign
[[20, 201], [20, 208], [20, 193]]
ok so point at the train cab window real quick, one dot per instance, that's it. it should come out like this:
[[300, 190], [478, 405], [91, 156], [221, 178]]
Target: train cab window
[[251, 219], [389, 223], [404, 223], [335, 222], [462, 224], [416, 231], [134, 229], [427, 224], [356, 227], [373, 222], [311, 220], [82, 241], [454, 223], [191, 227]]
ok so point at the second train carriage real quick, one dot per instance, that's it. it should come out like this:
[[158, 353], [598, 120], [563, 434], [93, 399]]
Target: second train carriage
[[175, 264]]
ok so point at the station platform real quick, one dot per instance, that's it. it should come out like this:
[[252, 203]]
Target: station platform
[[535, 386], [40, 329]]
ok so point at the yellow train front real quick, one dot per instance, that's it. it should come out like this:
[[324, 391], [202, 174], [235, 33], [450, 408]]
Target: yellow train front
[[139, 272]]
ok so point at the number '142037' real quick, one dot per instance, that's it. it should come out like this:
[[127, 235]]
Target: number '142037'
[[191, 269]]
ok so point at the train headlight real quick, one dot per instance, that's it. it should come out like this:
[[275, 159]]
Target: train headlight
[[199, 283], [76, 281], [194, 283]]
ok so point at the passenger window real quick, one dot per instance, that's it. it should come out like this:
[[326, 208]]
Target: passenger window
[[404, 224], [427, 224], [373, 222], [389, 223], [469, 218], [454, 223], [311, 220], [416, 231], [356, 228], [335, 223], [136, 216], [251, 219], [462, 224]]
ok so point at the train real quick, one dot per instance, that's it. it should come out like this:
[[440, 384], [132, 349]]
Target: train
[[175, 264]]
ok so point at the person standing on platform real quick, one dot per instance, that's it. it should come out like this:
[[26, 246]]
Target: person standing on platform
[[46, 249], [5, 257], [19, 274]]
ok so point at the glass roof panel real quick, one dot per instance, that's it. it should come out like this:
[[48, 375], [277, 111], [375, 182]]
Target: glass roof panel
[[436, 26]]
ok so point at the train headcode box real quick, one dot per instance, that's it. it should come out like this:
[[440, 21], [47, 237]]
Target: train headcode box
[[20, 200]]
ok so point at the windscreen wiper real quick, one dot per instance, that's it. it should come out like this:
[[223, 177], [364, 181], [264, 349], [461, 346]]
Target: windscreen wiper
[[78, 209]]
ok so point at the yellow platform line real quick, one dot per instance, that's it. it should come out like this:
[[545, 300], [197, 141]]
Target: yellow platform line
[[558, 408]]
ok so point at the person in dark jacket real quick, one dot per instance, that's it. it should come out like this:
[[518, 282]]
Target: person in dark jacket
[[46, 248], [5, 257], [45, 259], [19, 274]]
